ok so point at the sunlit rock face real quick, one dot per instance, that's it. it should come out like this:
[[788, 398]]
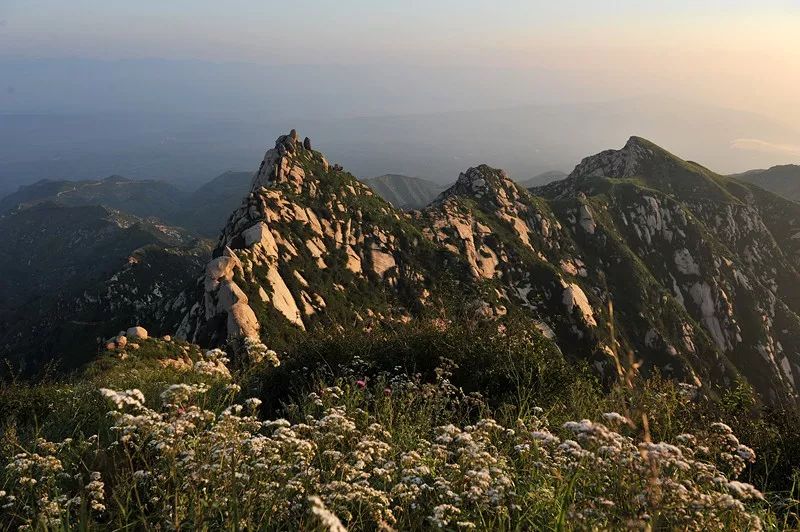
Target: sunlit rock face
[[306, 240], [693, 272]]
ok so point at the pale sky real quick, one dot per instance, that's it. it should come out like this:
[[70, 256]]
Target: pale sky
[[739, 53], [717, 80]]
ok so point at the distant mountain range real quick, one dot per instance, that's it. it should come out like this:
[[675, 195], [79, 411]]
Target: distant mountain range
[[203, 211], [138, 197], [207, 209], [192, 148], [543, 179], [405, 192], [783, 179]]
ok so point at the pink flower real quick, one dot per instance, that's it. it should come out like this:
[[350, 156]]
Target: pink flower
[[361, 383], [387, 391]]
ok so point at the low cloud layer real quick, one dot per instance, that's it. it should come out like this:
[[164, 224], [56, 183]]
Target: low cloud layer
[[765, 146]]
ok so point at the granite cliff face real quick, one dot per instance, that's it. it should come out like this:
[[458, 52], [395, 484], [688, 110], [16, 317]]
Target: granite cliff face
[[720, 249], [636, 251], [311, 246]]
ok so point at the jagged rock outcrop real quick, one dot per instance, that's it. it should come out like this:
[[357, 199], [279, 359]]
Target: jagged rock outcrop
[[511, 238], [687, 264], [616, 163], [714, 245], [307, 239]]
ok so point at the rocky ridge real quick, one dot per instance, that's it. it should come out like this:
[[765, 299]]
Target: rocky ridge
[[711, 243], [684, 263], [309, 243]]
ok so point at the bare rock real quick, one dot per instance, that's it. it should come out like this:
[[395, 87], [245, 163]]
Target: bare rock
[[382, 261], [586, 217], [282, 298], [230, 294], [137, 332], [242, 322], [574, 297], [260, 234]]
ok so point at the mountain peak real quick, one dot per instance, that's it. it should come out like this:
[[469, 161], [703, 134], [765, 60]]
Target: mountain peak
[[311, 247], [475, 180], [636, 141], [287, 162], [625, 162], [480, 181]]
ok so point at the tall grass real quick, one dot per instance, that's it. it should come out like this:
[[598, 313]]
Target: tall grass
[[443, 428]]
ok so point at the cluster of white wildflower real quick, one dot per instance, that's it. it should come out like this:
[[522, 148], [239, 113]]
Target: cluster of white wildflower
[[326, 518], [128, 398], [682, 483], [42, 493], [95, 493], [723, 445], [213, 363], [258, 353], [344, 459]]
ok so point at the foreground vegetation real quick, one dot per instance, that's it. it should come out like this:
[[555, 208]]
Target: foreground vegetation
[[444, 427]]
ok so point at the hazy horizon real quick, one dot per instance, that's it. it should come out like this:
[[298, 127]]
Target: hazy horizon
[[187, 90]]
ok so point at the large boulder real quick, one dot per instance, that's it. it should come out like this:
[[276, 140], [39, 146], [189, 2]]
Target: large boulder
[[137, 332]]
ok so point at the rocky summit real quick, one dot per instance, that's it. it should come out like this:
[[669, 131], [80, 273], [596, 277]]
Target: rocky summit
[[310, 245], [637, 255]]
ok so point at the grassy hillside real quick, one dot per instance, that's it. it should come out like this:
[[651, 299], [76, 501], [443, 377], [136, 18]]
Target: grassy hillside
[[72, 276], [783, 180], [616, 350], [370, 431]]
